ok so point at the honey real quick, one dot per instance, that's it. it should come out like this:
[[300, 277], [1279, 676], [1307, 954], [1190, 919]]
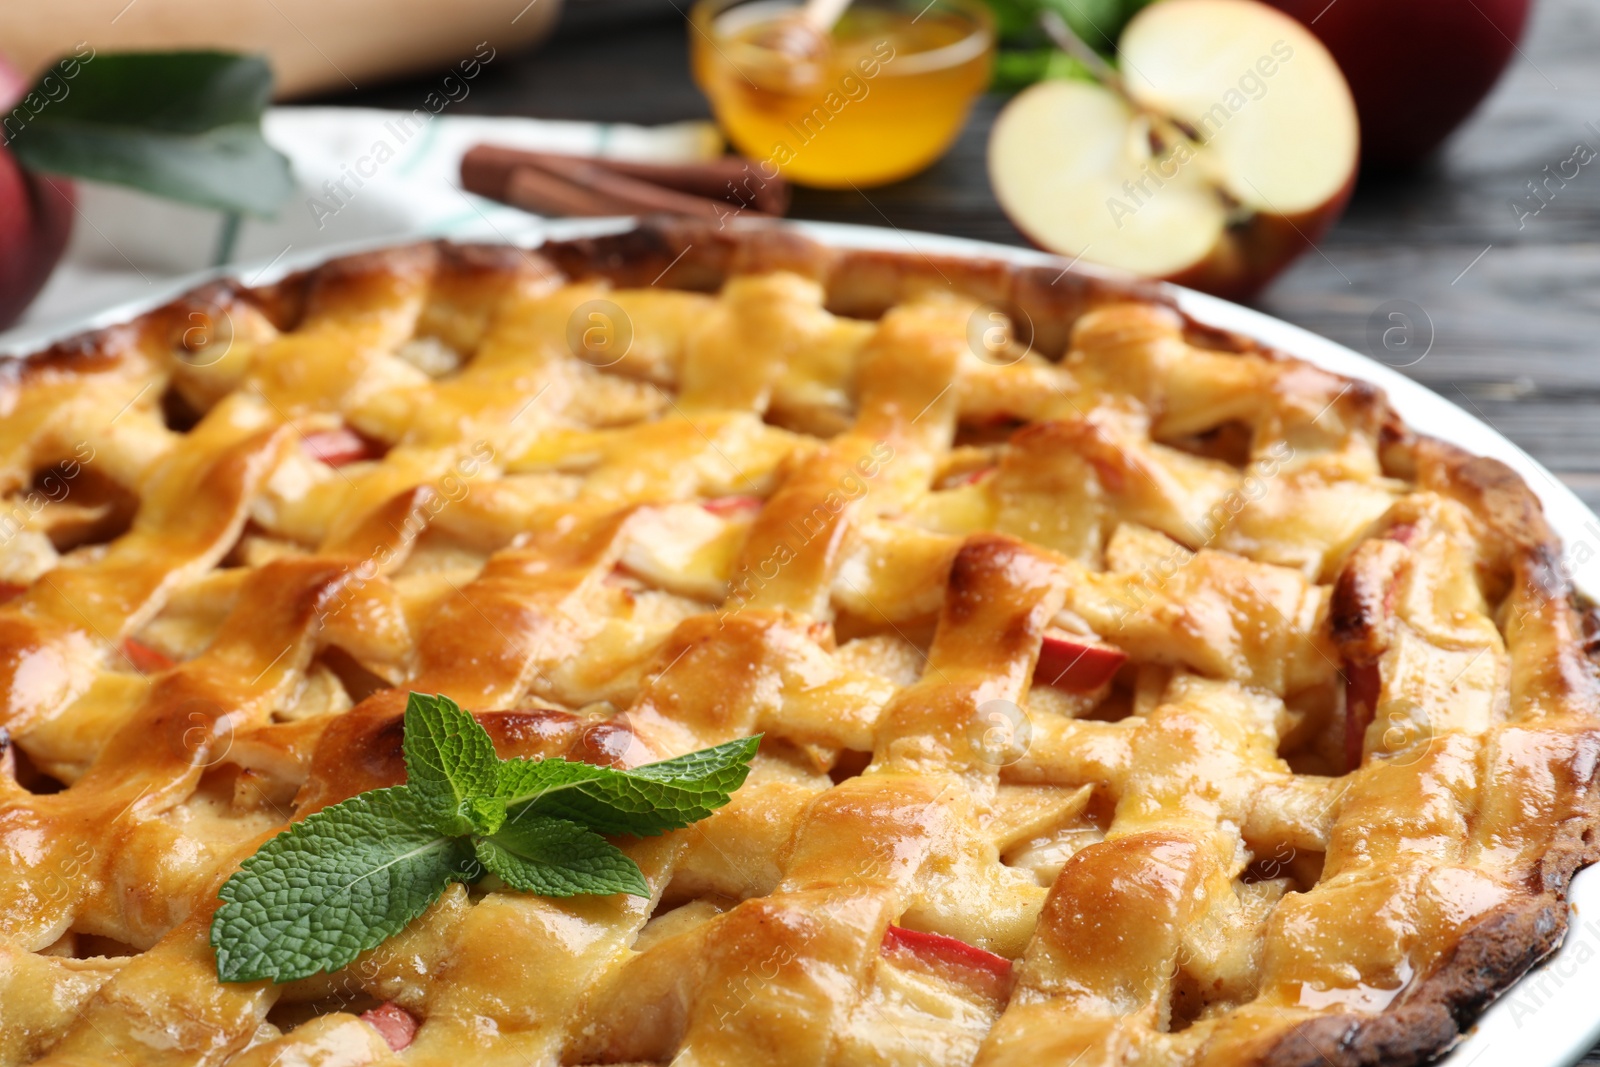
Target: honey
[[883, 100]]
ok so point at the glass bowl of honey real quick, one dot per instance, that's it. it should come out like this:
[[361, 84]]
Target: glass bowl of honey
[[882, 97]]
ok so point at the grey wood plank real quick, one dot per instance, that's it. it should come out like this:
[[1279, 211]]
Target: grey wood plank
[[1520, 314]]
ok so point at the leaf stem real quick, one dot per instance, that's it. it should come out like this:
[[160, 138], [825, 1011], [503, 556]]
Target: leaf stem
[[1065, 38], [227, 238], [1056, 28]]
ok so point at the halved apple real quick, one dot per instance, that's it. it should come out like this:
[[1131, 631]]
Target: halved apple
[[1228, 147]]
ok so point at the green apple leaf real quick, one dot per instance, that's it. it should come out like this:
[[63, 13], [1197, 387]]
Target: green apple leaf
[[181, 125], [1017, 68], [1098, 23]]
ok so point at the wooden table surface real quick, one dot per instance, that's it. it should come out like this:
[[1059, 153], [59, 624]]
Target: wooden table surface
[[1514, 311]]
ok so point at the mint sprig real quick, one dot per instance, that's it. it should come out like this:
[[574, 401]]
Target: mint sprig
[[352, 875]]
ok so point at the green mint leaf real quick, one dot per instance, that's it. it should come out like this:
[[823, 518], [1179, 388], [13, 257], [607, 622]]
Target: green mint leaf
[[1097, 23], [486, 814], [1016, 69], [182, 125], [722, 767], [646, 801], [524, 780], [1015, 19], [344, 880], [557, 858], [450, 761]]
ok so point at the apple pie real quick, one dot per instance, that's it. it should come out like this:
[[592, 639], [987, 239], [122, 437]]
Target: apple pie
[[1129, 692]]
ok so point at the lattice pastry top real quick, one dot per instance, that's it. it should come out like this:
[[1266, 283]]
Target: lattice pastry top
[[1131, 694]]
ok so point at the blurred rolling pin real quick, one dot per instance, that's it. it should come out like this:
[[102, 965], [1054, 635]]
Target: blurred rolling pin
[[314, 46], [552, 184]]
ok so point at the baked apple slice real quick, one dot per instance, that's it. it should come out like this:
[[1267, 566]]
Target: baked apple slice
[[1077, 664], [951, 959]]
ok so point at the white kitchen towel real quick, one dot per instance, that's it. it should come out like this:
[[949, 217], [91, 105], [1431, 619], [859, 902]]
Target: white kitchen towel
[[362, 174]]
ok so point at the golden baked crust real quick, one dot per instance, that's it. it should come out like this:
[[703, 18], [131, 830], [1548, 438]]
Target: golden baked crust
[[1131, 693]]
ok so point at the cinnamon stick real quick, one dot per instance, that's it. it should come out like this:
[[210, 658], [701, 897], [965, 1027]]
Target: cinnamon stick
[[543, 193], [487, 169], [590, 190]]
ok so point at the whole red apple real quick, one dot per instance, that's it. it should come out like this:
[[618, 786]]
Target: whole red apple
[[1416, 68], [35, 217]]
